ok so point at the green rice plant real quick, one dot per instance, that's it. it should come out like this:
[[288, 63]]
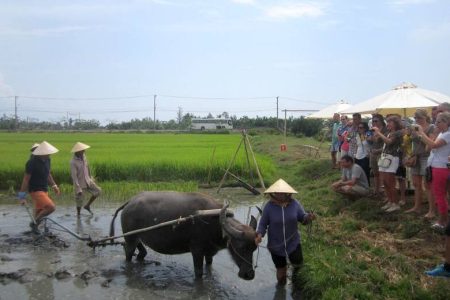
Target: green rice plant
[[121, 191], [133, 157]]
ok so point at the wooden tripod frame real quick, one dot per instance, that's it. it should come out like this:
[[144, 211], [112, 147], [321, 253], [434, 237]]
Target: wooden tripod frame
[[248, 150]]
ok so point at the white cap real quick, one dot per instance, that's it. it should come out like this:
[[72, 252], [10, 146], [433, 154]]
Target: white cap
[[35, 145], [280, 186], [79, 147], [45, 148]]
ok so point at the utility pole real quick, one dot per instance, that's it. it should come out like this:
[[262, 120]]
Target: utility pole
[[277, 115], [285, 126], [154, 112], [15, 114]]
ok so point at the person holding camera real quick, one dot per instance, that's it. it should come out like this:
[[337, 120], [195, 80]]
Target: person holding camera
[[362, 152], [438, 161], [417, 162], [389, 160], [375, 150]]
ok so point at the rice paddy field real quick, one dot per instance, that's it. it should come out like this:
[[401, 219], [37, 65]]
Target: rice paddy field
[[185, 160]]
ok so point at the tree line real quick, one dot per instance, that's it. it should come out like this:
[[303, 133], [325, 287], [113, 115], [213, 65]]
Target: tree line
[[297, 126]]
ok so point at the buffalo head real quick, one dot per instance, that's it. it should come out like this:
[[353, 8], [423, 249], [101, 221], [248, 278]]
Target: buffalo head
[[241, 243]]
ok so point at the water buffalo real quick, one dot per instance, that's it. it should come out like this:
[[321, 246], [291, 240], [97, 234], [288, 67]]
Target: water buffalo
[[203, 236]]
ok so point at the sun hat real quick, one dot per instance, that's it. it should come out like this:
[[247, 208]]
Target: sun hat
[[35, 145], [280, 186], [44, 148], [79, 147]]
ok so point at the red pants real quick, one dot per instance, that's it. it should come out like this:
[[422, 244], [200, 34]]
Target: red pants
[[439, 188]]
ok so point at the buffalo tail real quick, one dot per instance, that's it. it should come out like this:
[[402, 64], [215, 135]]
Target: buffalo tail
[[111, 229]]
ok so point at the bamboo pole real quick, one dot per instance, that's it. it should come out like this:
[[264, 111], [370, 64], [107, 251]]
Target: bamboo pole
[[210, 212], [229, 165], [248, 160], [256, 164]]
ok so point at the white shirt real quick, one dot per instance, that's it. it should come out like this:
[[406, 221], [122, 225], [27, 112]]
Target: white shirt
[[439, 156], [363, 148]]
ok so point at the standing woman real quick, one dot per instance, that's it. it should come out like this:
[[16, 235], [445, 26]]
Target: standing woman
[[279, 218], [376, 149], [389, 160], [81, 177], [36, 180], [440, 150], [362, 152], [420, 155]]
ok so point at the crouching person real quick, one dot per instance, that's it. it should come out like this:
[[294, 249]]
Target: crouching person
[[280, 219], [353, 182], [443, 269], [81, 177]]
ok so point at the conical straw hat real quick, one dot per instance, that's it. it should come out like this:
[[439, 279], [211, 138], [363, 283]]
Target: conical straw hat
[[35, 145], [280, 186], [45, 148], [79, 147]]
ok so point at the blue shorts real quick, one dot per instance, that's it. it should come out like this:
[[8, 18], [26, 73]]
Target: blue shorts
[[335, 147]]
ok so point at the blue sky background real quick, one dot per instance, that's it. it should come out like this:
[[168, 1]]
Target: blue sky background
[[309, 53]]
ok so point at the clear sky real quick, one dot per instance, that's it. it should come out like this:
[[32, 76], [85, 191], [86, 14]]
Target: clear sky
[[309, 53]]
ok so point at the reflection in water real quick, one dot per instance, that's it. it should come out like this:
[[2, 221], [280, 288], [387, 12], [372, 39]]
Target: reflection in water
[[41, 288]]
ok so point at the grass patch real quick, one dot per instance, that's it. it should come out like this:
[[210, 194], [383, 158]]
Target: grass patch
[[356, 251]]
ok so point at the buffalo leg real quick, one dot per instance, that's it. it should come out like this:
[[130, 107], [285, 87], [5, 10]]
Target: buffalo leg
[[198, 264], [129, 247], [208, 260], [142, 252]]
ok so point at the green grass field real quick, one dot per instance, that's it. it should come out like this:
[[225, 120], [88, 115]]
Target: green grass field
[[132, 156]]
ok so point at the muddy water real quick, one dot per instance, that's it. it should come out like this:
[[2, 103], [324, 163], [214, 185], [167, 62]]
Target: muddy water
[[60, 267]]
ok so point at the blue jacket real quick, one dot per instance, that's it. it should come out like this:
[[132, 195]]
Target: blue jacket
[[272, 222]]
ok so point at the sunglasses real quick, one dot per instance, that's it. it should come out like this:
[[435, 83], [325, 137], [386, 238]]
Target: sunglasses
[[375, 121], [361, 127]]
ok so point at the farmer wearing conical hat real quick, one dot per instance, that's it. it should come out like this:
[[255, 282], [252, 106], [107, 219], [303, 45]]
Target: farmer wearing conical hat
[[81, 177], [279, 218], [36, 180]]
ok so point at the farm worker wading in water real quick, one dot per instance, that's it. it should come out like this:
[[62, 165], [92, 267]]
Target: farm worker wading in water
[[279, 218], [36, 180], [81, 177]]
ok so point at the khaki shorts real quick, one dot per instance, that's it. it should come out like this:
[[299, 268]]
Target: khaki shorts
[[419, 168], [93, 189], [373, 161], [356, 190]]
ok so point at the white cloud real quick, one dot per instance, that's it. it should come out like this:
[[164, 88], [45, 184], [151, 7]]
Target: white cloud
[[248, 2], [294, 10], [409, 2], [432, 33], [43, 31], [5, 89]]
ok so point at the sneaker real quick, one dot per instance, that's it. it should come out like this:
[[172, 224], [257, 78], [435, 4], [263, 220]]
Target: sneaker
[[402, 202], [438, 271], [386, 206], [394, 207], [34, 228], [438, 227]]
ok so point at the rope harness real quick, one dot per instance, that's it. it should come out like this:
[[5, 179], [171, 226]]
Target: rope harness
[[243, 258]]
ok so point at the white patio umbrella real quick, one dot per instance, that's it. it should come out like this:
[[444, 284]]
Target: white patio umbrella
[[403, 100], [329, 111]]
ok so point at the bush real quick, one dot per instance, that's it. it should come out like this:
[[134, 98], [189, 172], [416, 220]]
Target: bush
[[306, 127]]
